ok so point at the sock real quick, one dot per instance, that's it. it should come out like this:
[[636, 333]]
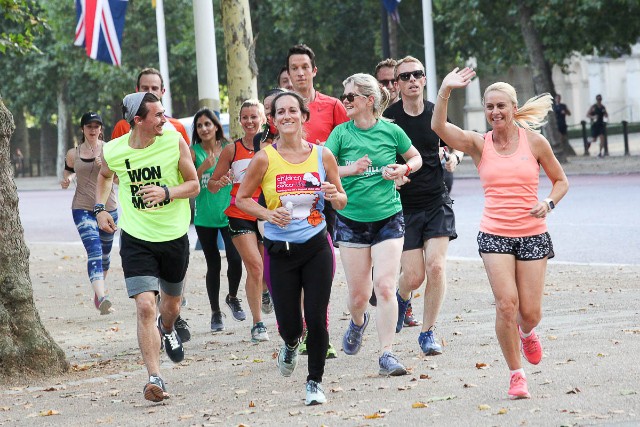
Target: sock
[[527, 335], [520, 371]]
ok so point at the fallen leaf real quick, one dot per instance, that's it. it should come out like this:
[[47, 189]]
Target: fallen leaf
[[294, 413], [419, 405], [336, 390], [481, 365], [425, 377], [251, 404], [503, 411], [49, 413], [241, 391], [374, 416], [4, 408], [258, 361], [628, 392], [185, 416], [552, 337], [574, 390], [469, 385], [484, 407]]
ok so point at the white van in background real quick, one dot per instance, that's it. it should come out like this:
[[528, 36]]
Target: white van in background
[[187, 122]]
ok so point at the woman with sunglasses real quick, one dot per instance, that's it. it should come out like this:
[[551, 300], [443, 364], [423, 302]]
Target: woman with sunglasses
[[370, 230], [208, 142], [513, 240], [298, 178], [243, 228], [84, 162]]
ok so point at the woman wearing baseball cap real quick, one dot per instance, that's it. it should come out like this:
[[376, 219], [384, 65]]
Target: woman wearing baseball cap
[[83, 163]]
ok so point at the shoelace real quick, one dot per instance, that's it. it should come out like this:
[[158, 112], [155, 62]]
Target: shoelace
[[517, 380], [389, 360], [355, 333], [181, 323], [172, 337], [530, 344], [235, 304], [312, 387], [288, 354]]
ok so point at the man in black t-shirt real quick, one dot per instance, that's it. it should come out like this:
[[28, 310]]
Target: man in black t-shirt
[[427, 208], [562, 111]]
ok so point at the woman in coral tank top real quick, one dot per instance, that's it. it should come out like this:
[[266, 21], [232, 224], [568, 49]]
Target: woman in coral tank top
[[513, 241]]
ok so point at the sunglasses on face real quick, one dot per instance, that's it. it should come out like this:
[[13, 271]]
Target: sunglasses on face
[[350, 96], [418, 74], [386, 83]]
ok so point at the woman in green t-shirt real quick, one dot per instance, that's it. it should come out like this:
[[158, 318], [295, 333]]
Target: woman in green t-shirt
[[370, 229], [208, 141]]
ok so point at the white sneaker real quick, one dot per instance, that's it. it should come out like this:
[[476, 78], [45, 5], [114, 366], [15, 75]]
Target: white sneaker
[[315, 394]]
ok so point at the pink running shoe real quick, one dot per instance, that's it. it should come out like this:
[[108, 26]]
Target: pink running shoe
[[531, 347], [518, 387]]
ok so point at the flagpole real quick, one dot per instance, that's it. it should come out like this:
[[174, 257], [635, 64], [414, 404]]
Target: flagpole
[[429, 50], [162, 56], [206, 57]]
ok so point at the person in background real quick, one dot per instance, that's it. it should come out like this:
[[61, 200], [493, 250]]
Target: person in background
[[385, 75], [562, 111], [513, 240], [243, 228], [209, 220], [599, 116], [298, 178], [370, 229], [284, 81], [150, 80], [18, 163], [83, 163]]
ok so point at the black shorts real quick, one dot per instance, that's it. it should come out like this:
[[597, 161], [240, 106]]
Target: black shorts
[[529, 248], [422, 226], [597, 129], [356, 234], [239, 227], [151, 266]]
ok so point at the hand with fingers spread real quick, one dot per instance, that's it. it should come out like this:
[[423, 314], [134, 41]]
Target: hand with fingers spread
[[457, 78]]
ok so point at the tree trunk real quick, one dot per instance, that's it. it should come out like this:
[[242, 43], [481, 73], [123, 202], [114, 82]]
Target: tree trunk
[[542, 81], [63, 128], [25, 346], [242, 70]]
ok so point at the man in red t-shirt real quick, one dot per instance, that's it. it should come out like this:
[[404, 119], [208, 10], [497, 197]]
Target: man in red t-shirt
[[327, 112], [150, 80]]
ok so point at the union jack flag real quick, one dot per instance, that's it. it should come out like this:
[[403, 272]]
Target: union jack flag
[[99, 28]]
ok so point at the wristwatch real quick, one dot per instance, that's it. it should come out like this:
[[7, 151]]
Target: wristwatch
[[550, 203]]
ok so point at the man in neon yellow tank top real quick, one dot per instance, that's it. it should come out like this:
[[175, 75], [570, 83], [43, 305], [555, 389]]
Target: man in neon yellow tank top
[[156, 179]]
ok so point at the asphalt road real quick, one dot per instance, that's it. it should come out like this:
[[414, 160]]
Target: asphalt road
[[597, 222]]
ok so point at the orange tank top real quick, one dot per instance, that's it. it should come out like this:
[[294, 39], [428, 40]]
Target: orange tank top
[[239, 165], [510, 184]]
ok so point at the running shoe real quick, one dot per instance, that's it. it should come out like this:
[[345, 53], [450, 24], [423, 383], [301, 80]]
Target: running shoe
[[390, 366], [402, 310], [428, 344], [287, 359], [331, 352], [315, 394], [172, 343], [236, 308], [259, 332], [302, 348], [531, 347], [102, 304], [182, 328], [216, 321], [409, 319], [267, 304], [352, 340], [518, 387], [155, 390]]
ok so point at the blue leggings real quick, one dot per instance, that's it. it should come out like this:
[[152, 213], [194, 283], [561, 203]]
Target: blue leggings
[[96, 242]]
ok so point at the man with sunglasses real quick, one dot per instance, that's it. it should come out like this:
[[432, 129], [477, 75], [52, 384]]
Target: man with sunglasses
[[426, 205], [385, 75]]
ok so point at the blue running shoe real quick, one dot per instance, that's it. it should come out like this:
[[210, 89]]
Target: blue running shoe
[[352, 340], [402, 310], [428, 344], [389, 365]]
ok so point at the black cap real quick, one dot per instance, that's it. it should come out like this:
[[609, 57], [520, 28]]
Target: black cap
[[90, 117]]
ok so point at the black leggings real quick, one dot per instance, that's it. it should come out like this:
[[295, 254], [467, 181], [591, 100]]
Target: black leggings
[[307, 266], [208, 237]]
